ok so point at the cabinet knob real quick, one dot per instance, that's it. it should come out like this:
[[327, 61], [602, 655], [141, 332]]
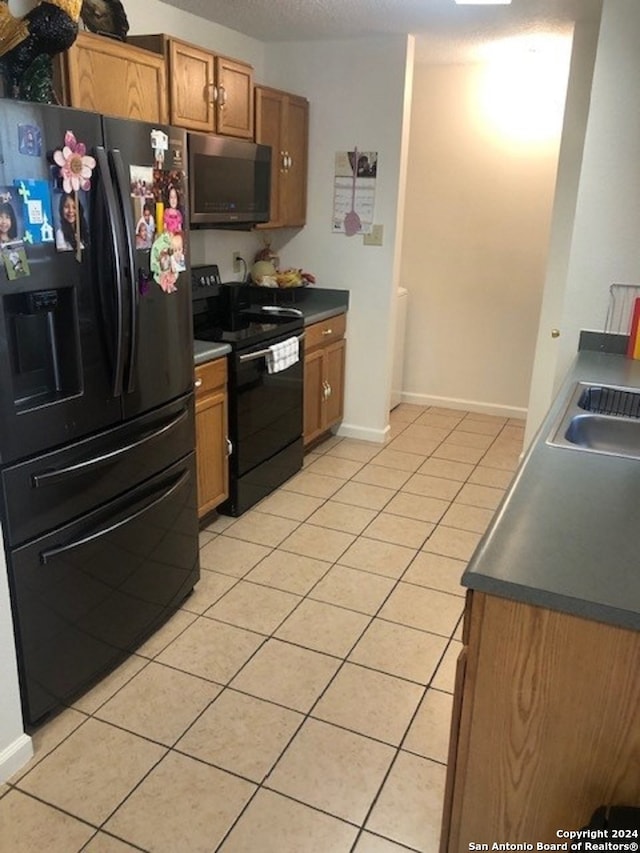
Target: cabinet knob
[[222, 96], [213, 92], [229, 446], [197, 383], [327, 331], [555, 333]]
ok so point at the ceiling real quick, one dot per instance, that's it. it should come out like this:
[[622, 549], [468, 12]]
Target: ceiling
[[445, 32]]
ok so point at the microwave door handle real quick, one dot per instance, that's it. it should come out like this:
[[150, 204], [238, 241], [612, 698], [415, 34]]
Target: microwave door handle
[[114, 237], [122, 186]]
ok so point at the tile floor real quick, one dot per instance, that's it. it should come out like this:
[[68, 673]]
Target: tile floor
[[299, 701]]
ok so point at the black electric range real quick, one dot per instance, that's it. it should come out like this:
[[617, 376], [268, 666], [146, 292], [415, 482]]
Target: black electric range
[[265, 405], [225, 313]]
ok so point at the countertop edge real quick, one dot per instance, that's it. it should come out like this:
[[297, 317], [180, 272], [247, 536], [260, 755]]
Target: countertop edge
[[561, 537]]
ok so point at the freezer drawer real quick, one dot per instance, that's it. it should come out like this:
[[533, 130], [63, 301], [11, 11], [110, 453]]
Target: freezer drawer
[[54, 488], [87, 594]]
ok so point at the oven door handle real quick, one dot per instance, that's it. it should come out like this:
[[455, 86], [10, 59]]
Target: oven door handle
[[250, 356]]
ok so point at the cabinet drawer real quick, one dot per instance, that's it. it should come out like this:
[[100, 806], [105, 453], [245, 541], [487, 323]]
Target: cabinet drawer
[[326, 331], [210, 376]]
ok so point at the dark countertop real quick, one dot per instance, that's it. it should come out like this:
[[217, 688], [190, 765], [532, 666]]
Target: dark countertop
[[566, 534], [316, 304], [204, 351]]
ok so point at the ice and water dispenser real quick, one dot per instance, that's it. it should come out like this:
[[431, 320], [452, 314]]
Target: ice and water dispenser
[[43, 348]]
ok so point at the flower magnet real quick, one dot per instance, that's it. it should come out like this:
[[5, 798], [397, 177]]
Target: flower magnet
[[76, 168]]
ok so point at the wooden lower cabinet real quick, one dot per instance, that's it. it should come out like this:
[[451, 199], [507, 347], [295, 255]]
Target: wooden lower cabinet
[[545, 727], [211, 434], [324, 367]]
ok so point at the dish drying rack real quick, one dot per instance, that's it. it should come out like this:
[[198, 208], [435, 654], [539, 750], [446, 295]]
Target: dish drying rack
[[611, 401], [622, 299]]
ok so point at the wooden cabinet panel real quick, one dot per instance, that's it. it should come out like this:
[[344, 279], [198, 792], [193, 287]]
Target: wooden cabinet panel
[[192, 86], [549, 726], [270, 108], [325, 332], [106, 76], [334, 360], [282, 121], [324, 368], [208, 92], [211, 435], [313, 395], [297, 143], [234, 116]]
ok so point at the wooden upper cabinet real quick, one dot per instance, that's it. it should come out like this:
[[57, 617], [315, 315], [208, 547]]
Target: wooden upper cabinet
[[191, 86], [282, 121], [234, 115], [209, 93], [112, 77]]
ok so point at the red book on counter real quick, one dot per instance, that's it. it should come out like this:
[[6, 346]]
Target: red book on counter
[[633, 347]]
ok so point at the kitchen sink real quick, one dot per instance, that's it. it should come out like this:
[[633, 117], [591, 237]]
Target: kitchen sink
[[600, 419]]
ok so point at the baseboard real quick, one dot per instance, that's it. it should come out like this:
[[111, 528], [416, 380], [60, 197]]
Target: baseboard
[[15, 756], [465, 405], [378, 436]]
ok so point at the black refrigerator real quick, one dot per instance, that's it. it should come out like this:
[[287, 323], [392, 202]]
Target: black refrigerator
[[96, 391]]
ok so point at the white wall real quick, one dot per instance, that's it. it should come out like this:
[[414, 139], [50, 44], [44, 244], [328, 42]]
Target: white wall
[[545, 381], [605, 246], [15, 747], [475, 240], [358, 91]]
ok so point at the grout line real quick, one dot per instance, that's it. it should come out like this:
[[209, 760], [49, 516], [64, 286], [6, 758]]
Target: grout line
[[399, 428]]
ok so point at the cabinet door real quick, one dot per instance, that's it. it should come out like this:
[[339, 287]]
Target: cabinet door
[[234, 106], [334, 377], [313, 395], [192, 87], [295, 178], [270, 108], [104, 76], [211, 435]]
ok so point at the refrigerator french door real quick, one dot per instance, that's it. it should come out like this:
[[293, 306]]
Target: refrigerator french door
[[96, 402]]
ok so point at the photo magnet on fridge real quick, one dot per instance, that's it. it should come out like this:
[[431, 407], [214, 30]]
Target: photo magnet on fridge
[[11, 221], [144, 205], [36, 208], [70, 220], [29, 140], [15, 260]]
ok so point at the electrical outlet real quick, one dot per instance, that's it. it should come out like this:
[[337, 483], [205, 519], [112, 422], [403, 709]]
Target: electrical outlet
[[237, 262], [374, 238]]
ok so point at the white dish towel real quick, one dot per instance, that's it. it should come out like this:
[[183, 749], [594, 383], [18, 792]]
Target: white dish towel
[[283, 355]]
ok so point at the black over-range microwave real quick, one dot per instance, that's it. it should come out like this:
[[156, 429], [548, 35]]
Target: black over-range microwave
[[229, 180]]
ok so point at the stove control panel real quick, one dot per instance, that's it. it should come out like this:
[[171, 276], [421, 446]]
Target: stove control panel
[[205, 276]]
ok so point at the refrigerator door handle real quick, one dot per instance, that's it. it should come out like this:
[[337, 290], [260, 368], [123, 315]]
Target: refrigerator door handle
[[122, 185], [51, 553], [114, 237], [51, 478]]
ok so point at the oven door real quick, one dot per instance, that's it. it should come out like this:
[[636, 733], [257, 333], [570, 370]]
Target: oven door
[[265, 409]]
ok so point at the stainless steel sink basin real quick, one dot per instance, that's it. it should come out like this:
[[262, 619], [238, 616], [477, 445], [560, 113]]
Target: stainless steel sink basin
[[600, 419]]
